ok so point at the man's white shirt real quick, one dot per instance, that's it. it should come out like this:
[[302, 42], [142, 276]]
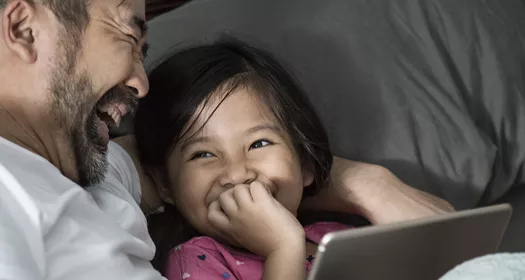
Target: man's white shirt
[[51, 228]]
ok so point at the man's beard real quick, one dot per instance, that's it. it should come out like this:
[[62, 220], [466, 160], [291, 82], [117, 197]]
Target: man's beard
[[73, 109]]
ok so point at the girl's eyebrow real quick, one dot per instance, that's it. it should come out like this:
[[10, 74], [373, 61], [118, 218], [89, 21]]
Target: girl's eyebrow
[[257, 128], [203, 139], [193, 141]]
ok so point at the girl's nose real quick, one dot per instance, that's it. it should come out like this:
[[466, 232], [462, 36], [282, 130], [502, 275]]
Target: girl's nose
[[236, 174]]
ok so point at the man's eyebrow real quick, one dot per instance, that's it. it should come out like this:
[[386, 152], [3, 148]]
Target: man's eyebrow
[[140, 24], [145, 49], [137, 21]]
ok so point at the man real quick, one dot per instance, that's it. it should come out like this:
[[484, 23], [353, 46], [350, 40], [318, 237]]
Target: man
[[69, 197], [66, 65]]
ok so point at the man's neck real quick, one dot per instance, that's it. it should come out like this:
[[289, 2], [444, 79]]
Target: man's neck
[[20, 129], [14, 128]]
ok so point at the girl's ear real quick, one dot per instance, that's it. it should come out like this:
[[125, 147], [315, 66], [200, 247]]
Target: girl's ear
[[159, 183], [150, 184], [308, 176]]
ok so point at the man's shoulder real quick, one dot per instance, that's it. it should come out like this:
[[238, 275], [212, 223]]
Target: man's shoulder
[[35, 185], [23, 171], [121, 177], [37, 200], [20, 168], [32, 171]]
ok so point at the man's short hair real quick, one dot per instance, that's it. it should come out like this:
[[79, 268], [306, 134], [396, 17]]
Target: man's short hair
[[72, 14]]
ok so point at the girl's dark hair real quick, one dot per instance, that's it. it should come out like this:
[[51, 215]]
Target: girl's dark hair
[[188, 79]]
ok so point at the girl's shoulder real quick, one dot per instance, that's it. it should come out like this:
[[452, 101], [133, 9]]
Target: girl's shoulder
[[203, 242], [208, 259]]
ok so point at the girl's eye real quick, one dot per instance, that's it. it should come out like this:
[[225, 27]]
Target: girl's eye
[[198, 155], [260, 143]]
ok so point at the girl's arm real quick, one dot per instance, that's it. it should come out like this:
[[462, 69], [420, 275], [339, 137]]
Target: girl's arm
[[286, 263]]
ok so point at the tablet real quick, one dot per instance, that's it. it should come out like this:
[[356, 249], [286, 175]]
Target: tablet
[[418, 249]]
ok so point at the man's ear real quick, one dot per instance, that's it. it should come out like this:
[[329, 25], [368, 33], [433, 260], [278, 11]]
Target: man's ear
[[18, 29]]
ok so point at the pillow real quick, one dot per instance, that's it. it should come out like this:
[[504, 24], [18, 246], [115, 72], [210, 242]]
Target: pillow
[[157, 7], [432, 90]]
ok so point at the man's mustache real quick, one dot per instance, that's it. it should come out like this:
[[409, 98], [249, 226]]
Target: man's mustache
[[120, 95]]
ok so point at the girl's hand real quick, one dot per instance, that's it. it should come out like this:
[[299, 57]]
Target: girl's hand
[[255, 219]]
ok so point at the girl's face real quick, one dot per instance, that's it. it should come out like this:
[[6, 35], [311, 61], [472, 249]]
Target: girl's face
[[240, 143]]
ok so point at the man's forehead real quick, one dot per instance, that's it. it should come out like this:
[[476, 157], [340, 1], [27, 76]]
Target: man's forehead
[[130, 13], [122, 7], [136, 6]]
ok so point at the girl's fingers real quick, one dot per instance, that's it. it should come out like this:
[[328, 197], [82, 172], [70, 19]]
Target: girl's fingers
[[217, 217], [242, 196], [228, 203], [259, 192]]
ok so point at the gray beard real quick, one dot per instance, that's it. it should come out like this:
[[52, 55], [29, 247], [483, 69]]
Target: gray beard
[[73, 109]]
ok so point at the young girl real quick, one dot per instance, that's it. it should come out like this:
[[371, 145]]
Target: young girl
[[235, 145]]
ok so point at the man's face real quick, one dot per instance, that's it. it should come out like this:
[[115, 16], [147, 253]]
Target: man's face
[[93, 86]]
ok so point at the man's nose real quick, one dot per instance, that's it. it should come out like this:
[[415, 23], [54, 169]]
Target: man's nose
[[138, 81], [235, 174]]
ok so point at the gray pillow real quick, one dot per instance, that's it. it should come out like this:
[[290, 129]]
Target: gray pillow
[[432, 90]]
